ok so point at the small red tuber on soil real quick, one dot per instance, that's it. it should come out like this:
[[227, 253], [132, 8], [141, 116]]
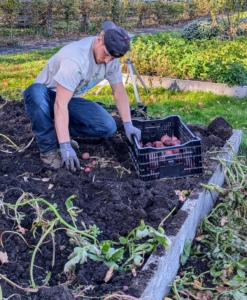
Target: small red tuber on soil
[[87, 170], [94, 163], [85, 155]]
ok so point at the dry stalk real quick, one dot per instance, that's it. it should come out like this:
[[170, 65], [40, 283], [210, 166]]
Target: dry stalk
[[31, 290], [2, 105], [14, 145], [82, 291], [13, 232], [122, 297]]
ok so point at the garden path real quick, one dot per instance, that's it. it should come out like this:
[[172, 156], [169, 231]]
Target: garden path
[[49, 44]]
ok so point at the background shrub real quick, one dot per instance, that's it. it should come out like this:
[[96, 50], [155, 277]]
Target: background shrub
[[200, 29], [206, 28]]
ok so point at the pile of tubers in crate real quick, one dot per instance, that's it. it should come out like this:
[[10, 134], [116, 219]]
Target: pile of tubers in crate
[[165, 141]]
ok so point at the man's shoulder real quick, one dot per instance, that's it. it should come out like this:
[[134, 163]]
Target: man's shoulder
[[85, 42], [78, 50]]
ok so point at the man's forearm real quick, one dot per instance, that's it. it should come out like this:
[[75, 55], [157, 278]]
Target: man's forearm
[[61, 122]]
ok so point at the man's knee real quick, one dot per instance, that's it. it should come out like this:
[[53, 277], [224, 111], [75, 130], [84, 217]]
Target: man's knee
[[110, 127], [34, 93]]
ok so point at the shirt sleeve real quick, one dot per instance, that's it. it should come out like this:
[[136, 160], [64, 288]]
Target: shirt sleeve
[[68, 75], [116, 75]]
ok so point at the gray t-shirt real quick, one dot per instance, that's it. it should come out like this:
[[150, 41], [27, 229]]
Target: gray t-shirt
[[74, 68]]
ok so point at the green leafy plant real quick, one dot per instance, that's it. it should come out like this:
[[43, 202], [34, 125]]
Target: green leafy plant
[[232, 73], [221, 241], [186, 252], [127, 254]]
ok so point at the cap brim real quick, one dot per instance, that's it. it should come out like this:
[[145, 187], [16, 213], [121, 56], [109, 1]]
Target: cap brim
[[108, 25]]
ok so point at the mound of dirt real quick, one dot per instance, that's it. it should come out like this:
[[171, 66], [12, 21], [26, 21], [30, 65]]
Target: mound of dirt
[[111, 197]]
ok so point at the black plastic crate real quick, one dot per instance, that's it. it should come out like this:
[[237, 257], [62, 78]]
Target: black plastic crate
[[153, 163], [137, 112]]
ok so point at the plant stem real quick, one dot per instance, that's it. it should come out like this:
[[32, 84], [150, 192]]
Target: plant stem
[[35, 251], [166, 217], [57, 215], [9, 140], [17, 286]]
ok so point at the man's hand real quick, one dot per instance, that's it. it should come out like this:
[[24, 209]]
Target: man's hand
[[131, 130], [69, 156]]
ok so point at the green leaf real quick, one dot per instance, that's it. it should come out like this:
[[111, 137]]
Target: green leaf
[[144, 248], [105, 247], [187, 247], [183, 259], [79, 255], [238, 295], [141, 233], [123, 240], [94, 249], [241, 273], [137, 260], [161, 230], [69, 203], [111, 263], [95, 257], [117, 254]]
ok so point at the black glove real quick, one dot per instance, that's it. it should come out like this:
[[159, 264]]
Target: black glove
[[130, 130], [69, 156]]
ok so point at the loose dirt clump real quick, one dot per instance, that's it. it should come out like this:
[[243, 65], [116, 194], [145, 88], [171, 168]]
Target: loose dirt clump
[[110, 196]]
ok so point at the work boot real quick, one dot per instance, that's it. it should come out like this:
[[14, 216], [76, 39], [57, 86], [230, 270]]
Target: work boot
[[74, 144], [51, 160]]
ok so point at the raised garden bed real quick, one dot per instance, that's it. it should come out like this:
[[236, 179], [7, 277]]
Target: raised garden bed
[[111, 196], [192, 85]]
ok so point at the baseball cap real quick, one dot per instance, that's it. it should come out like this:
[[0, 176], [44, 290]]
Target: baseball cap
[[116, 39]]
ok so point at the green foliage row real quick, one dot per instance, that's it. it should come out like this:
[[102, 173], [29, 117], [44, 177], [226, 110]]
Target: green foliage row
[[167, 54]]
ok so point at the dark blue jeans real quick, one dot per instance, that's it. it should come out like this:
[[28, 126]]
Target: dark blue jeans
[[86, 118]]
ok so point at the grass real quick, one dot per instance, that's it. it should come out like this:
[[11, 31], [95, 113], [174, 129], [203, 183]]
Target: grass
[[18, 71]]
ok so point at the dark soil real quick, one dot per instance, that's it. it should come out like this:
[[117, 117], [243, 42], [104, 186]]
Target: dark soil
[[110, 196]]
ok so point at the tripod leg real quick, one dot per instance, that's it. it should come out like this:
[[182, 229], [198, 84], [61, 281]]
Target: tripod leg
[[139, 77], [101, 87], [133, 83]]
